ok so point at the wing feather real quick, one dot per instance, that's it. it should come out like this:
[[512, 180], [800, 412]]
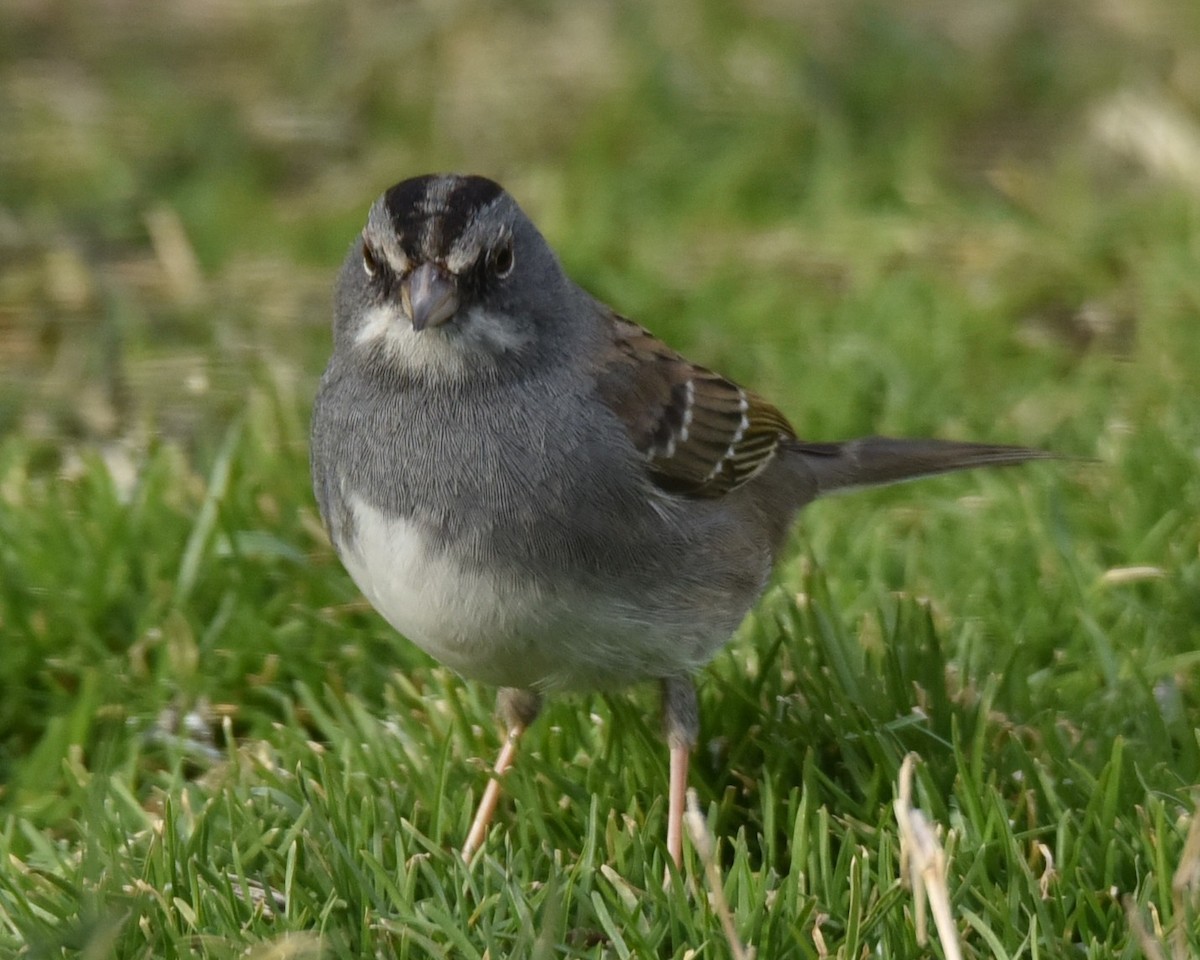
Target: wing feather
[[702, 435]]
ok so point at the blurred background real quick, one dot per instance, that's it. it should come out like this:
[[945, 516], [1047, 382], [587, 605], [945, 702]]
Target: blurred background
[[178, 181], [964, 218]]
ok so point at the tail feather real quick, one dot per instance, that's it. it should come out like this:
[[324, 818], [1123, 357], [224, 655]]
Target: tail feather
[[873, 461]]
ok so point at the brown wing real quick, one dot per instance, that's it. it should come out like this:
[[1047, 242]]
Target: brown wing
[[702, 434]]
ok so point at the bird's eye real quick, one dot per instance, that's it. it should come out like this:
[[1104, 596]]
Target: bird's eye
[[502, 260], [370, 264]]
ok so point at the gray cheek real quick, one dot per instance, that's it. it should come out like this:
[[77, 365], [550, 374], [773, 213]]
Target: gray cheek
[[492, 333]]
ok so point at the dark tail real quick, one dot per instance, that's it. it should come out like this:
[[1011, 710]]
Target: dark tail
[[872, 461]]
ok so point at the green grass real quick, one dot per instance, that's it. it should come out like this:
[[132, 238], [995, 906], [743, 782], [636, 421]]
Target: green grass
[[892, 218]]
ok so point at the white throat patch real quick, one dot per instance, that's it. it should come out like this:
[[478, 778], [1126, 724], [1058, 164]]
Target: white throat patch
[[450, 351]]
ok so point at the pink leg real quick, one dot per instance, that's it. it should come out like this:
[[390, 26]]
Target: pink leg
[[491, 794], [518, 708], [676, 801], [681, 721]]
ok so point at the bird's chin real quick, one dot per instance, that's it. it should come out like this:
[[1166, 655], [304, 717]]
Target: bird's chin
[[462, 346]]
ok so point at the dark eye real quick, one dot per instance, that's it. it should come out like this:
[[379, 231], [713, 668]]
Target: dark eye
[[502, 260], [370, 264]]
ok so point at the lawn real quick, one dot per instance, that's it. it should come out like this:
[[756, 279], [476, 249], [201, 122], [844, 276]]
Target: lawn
[[971, 220]]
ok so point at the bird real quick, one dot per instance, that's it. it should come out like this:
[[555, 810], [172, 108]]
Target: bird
[[537, 491]]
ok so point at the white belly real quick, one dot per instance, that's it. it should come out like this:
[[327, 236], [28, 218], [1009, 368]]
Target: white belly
[[468, 620], [507, 631]]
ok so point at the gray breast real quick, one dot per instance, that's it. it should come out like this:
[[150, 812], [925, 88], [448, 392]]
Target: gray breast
[[517, 474]]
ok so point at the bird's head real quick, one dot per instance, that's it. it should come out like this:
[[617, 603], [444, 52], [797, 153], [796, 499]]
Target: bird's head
[[449, 277]]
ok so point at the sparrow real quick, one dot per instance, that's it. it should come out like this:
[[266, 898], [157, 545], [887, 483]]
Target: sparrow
[[538, 492]]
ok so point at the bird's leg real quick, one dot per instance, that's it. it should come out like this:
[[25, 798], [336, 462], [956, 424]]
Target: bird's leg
[[518, 709], [681, 721]]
